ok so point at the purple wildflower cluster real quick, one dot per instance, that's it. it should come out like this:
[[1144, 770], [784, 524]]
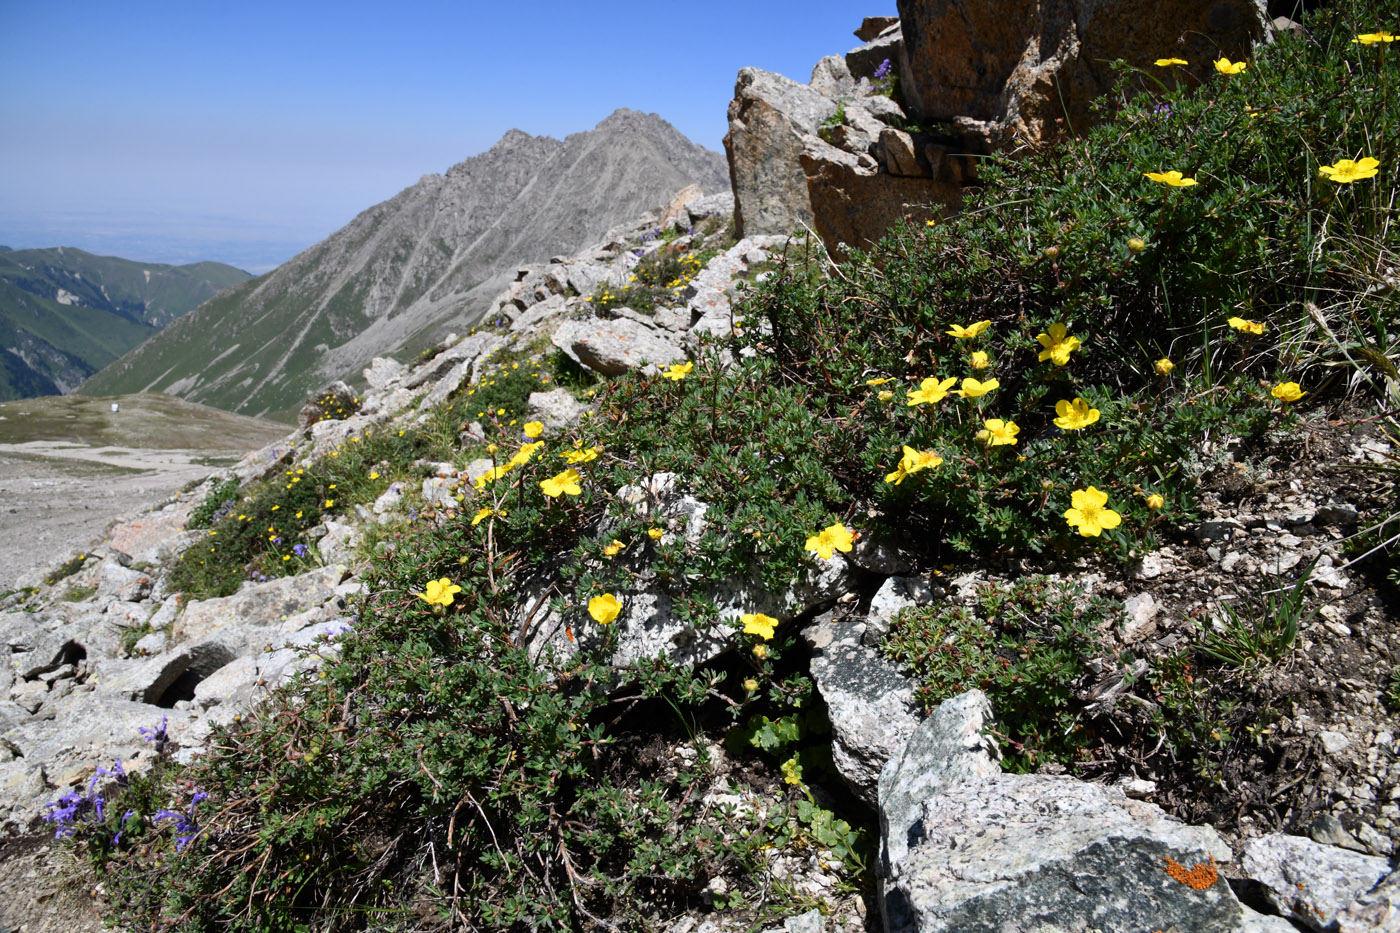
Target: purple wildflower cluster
[[156, 734], [74, 807], [883, 71], [186, 824], [299, 550]]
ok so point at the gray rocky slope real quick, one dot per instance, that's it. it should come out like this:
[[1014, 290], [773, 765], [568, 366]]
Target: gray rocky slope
[[411, 268], [963, 845]]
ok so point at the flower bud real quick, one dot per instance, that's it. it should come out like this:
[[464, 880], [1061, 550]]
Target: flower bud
[[1155, 501], [1052, 252], [1165, 366], [1137, 244]]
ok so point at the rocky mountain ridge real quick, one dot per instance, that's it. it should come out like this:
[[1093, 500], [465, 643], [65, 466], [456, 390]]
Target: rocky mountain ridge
[[66, 313], [405, 271]]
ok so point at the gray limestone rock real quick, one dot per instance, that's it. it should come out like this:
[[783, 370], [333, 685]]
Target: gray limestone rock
[[255, 605], [1375, 911], [832, 77], [382, 372], [870, 704], [557, 409], [893, 596], [1044, 852], [947, 748], [614, 347], [1308, 880]]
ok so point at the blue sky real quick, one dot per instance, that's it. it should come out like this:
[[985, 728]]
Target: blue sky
[[245, 132]]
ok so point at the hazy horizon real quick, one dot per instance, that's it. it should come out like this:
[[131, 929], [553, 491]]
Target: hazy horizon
[[162, 132]]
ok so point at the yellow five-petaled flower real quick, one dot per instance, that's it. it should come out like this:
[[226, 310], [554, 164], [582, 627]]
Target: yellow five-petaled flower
[[1089, 514], [1057, 345], [996, 432], [1287, 392], [1227, 67], [1371, 38], [604, 608], [756, 623], [1075, 415], [835, 537], [973, 388], [1173, 178], [912, 462], [564, 483], [1248, 327], [534, 429], [677, 371], [439, 592], [970, 331], [930, 391], [1346, 171], [1167, 62]]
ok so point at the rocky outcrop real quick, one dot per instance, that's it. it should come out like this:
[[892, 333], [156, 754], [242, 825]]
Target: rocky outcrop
[[831, 155], [1027, 70]]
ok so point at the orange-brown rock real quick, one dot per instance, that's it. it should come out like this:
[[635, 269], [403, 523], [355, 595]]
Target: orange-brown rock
[[1009, 71]]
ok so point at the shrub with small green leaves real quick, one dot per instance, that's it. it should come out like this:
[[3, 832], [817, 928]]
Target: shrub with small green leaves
[[1026, 645]]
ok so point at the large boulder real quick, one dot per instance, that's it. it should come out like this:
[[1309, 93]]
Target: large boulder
[[967, 849], [1007, 70], [1311, 882], [769, 118], [616, 346], [869, 702]]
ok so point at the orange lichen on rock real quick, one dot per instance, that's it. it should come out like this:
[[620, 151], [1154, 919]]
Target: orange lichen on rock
[[1197, 878]]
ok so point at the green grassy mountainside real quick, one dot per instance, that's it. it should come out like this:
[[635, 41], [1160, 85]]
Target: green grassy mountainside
[[65, 313], [407, 270]]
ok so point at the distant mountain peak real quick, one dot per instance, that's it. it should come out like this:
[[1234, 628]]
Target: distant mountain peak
[[405, 271]]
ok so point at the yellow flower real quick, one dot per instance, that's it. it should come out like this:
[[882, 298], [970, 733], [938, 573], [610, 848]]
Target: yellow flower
[[604, 608], [580, 456], [329, 503], [439, 592], [677, 371], [930, 391], [655, 533], [1287, 392], [971, 388], [878, 382], [1164, 366], [1074, 415], [482, 515], [912, 462], [374, 474], [526, 451], [1227, 67], [970, 331], [1346, 171], [760, 651], [1174, 179], [1088, 513], [996, 432], [612, 549], [835, 537], [750, 685], [1155, 501], [1249, 327], [1167, 62], [756, 623], [566, 482], [1057, 346], [1371, 38], [979, 359], [534, 429]]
